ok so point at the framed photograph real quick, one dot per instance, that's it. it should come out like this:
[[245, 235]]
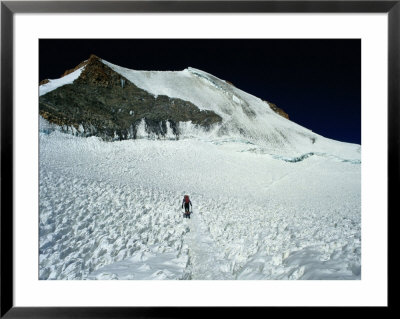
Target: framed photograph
[[165, 157]]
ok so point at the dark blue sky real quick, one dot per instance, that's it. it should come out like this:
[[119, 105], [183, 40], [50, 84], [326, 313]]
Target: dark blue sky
[[317, 82]]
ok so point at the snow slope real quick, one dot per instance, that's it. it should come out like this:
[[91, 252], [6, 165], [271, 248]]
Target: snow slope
[[112, 211], [244, 115]]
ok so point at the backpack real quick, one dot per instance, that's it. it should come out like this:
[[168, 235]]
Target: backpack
[[187, 199]]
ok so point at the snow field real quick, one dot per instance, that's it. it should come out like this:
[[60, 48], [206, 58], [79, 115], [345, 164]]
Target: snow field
[[112, 211], [281, 246], [86, 224]]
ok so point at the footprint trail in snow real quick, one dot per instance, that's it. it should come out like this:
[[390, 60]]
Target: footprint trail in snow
[[206, 261]]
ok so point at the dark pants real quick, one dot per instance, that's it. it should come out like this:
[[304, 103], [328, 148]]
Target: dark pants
[[187, 207]]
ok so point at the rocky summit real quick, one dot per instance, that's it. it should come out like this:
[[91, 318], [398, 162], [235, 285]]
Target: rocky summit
[[278, 110], [101, 102]]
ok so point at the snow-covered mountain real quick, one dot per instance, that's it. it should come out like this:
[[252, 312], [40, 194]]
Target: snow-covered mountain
[[271, 199], [102, 99]]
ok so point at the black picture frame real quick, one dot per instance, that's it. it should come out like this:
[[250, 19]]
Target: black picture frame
[[9, 8]]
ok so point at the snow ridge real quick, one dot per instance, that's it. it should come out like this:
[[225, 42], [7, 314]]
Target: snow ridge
[[54, 84]]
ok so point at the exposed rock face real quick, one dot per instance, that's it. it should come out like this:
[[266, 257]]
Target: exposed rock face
[[278, 110], [44, 81], [101, 102]]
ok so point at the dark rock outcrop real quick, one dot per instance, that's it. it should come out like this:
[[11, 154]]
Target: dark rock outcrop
[[45, 81], [105, 104], [278, 110]]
